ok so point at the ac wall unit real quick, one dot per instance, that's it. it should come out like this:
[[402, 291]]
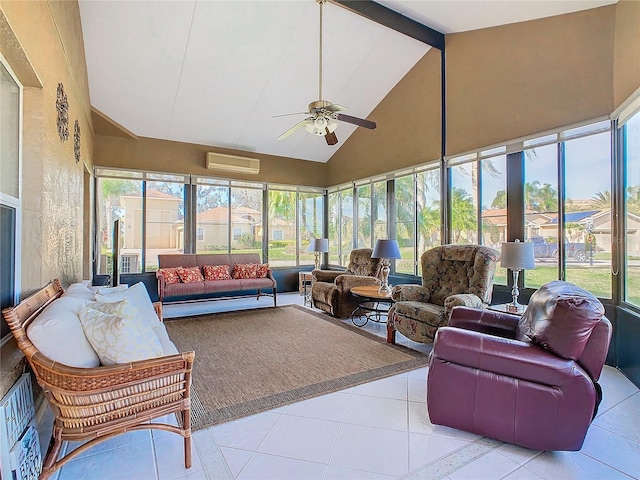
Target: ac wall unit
[[232, 163]]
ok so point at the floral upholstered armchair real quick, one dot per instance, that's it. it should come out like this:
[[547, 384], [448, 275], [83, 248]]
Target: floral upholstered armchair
[[331, 290], [451, 275]]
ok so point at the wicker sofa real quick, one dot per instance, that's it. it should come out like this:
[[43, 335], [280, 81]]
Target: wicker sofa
[[93, 404], [207, 288]]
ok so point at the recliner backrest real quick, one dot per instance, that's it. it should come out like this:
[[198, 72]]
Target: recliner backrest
[[453, 269], [361, 263], [568, 321]]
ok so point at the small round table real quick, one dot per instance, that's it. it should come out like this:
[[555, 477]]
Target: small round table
[[372, 305]]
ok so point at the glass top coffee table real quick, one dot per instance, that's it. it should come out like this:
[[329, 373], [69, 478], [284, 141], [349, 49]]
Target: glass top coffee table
[[372, 305]]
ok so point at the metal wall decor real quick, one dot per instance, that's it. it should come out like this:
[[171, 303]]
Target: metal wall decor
[[62, 106], [76, 140]]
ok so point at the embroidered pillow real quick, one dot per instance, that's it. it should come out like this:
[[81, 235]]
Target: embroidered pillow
[[170, 275], [245, 270], [216, 272], [261, 270], [138, 297], [118, 339], [190, 274], [122, 308]]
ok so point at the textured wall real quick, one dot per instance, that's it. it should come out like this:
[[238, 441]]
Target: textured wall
[[47, 49], [166, 156], [626, 58]]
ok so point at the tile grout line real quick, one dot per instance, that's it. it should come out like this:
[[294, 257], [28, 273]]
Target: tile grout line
[[453, 461]]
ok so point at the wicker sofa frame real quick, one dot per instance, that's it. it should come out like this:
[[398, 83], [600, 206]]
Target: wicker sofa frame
[[96, 404]]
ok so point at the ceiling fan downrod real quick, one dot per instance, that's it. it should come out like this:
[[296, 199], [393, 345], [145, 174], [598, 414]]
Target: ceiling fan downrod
[[321, 3]]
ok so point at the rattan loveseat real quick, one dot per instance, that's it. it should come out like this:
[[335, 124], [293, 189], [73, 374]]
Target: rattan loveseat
[[95, 404]]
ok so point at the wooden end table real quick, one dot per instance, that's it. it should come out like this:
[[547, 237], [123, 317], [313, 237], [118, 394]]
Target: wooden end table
[[372, 305]]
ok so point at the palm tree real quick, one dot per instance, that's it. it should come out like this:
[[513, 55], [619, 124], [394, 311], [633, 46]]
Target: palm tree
[[601, 200], [463, 214]]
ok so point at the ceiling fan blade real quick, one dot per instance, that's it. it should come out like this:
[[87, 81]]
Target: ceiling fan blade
[[289, 114], [297, 126], [355, 121], [330, 137], [334, 107]]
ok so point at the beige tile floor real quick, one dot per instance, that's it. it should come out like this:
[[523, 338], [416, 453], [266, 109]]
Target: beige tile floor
[[379, 430]]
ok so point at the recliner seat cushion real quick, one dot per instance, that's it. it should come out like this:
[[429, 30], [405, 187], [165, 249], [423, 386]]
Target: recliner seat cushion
[[560, 317]]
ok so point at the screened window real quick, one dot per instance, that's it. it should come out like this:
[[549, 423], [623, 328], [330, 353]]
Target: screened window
[[283, 228], [212, 218], [311, 223], [341, 222], [428, 213], [587, 214], [463, 199], [405, 195], [631, 156], [164, 222], [493, 207]]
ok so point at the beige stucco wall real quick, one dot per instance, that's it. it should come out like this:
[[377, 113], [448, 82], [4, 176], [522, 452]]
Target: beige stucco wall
[[626, 53], [45, 48], [502, 83], [176, 157]]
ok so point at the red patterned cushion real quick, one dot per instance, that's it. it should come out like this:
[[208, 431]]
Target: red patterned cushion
[[190, 274], [216, 272], [245, 270], [170, 275], [261, 270]]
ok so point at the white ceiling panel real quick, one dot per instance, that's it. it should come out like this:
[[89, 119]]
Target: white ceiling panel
[[216, 72]]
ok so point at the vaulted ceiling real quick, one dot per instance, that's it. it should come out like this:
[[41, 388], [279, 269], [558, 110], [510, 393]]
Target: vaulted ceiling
[[217, 72]]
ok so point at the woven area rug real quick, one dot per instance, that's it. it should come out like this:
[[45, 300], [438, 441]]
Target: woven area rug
[[255, 360]]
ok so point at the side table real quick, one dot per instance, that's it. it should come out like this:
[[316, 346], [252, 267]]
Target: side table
[[507, 308], [372, 305], [304, 286]]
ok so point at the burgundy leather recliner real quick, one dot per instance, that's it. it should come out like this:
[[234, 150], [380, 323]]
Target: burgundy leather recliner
[[530, 380]]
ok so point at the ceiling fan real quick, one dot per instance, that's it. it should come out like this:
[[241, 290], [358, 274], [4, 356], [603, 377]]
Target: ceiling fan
[[323, 114]]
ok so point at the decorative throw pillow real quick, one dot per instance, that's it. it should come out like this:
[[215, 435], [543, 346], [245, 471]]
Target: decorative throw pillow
[[261, 270], [58, 334], [118, 339], [245, 270], [123, 308], [170, 275], [216, 272], [190, 274], [138, 297]]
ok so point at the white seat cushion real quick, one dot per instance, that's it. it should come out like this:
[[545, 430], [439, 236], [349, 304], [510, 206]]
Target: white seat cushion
[[119, 339], [58, 334]]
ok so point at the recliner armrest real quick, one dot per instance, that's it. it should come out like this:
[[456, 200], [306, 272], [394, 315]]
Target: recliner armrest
[[410, 293], [346, 282], [484, 321], [503, 356], [328, 276]]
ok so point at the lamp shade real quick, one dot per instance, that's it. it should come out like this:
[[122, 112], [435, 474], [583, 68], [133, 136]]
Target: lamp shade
[[318, 245], [386, 249], [517, 255]]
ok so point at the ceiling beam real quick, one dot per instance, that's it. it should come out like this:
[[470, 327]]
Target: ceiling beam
[[394, 20]]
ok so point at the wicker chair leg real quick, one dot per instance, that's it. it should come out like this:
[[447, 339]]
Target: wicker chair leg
[[49, 466], [186, 425]]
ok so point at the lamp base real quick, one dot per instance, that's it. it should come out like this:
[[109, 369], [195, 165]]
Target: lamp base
[[514, 306]]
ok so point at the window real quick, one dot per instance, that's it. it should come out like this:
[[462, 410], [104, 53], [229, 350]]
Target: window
[[212, 216], [463, 199], [405, 196], [283, 227], [200, 234], [341, 214], [541, 213], [246, 218], [631, 159], [10, 181], [493, 207], [164, 219], [118, 198], [310, 222], [587, 213], [428, 213]]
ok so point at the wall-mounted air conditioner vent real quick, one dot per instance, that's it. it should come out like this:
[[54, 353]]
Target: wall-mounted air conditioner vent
[[232, 163]]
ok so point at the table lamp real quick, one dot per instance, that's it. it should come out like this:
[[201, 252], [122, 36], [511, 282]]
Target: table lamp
[[386, 250], [318, 246], [517, 256]]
